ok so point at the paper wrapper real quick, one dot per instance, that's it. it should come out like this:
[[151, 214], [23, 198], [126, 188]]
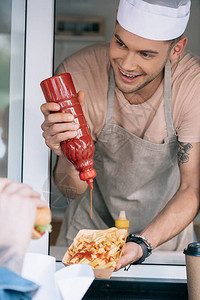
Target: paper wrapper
[[58, 285], [104, 273], [74, 281], [41, 268]]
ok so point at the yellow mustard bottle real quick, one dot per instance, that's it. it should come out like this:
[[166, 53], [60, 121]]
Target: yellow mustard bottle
[[122, 222]]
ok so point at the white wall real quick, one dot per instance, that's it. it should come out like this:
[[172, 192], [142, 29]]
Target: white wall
[[100, 8], [193, 28], [86, 8]]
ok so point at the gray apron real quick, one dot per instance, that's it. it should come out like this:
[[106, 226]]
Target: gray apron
[[133, 174]]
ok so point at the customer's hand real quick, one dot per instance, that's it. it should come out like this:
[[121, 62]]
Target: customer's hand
[[18, 203]]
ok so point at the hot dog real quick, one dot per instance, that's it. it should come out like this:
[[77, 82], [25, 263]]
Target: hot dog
[[42, 222]]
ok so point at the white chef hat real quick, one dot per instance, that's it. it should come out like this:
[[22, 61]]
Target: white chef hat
[[159, 20]]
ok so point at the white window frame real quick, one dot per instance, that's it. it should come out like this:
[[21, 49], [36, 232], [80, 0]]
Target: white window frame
[[18, 26], [38, 66]]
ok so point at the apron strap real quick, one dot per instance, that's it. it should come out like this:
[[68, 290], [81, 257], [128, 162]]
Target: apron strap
[[110, 98], [168, 99]]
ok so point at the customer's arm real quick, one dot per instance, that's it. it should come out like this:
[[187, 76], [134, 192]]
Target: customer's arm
[[15, 287], [18, 203]]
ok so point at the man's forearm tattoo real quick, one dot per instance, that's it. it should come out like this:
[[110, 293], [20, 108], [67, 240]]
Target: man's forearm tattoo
[[183, 152]]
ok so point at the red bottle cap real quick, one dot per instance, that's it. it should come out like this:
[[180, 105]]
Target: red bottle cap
[[88, 176]]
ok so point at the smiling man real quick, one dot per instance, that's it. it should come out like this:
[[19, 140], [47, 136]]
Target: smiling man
[[138, 63], [141, 103]]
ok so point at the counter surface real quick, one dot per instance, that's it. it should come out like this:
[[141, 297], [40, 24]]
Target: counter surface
[[137, 289]]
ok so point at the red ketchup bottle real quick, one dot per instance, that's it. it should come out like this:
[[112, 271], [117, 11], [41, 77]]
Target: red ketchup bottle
[[78, 150]]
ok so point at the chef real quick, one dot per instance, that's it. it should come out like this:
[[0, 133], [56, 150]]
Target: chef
[[140, 97]]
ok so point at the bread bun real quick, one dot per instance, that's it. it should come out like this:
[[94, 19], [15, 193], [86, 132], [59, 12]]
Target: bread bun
[[43, 217]]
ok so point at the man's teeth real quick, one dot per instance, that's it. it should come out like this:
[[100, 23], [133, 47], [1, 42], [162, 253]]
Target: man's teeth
[[129, 76]]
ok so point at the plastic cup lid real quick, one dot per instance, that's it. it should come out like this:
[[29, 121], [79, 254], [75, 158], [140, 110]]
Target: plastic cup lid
[[193, 249]]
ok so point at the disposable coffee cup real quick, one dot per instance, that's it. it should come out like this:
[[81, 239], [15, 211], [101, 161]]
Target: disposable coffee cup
[[192, 258]]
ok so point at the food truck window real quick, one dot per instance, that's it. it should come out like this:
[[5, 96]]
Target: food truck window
[[79, 24], [12, 36]]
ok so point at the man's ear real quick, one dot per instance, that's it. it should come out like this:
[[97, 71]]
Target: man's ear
[[178, 48]]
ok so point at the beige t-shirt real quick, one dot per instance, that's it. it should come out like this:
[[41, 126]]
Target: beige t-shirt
[[89, 68]]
